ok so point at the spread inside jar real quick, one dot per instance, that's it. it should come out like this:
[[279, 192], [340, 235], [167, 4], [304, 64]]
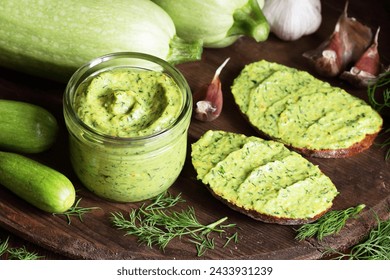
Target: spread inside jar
[[125, 102]]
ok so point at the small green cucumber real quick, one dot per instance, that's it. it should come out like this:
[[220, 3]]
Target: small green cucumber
[[25, 127], [36, 183]]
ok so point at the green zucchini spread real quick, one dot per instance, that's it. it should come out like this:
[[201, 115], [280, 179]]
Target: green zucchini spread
[[262, 176], [138, 146], [295, 108], [124, 102]]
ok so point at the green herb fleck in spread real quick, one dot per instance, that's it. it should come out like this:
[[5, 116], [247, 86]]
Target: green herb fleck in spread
[[263, 176], [299, 110], [126, 103]]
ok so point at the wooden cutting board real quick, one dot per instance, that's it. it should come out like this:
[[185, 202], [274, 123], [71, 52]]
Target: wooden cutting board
[[364, 178]]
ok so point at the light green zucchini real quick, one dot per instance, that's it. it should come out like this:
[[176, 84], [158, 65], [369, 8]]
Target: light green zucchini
[[52, 38], [38, 184], [25, 127], [217, 23]]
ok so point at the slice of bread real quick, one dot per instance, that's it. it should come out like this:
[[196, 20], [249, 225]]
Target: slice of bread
[[304, 113], [262, 179]]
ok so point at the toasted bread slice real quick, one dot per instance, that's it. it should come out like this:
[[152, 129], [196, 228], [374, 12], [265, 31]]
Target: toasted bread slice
[[304, 113], [262, 179], [265, 218]]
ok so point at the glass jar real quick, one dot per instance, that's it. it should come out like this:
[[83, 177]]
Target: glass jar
[[127, 169]]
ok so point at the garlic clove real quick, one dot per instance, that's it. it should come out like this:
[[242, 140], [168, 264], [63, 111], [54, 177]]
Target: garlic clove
[[328, 57], [367, 68], [208, 100], [347, 43], [369, 62]]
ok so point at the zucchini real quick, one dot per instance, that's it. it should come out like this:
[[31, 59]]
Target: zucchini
[[36, 183], [52, 38], [217, 23], [25, 127]]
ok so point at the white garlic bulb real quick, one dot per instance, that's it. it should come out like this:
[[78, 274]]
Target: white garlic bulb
[[291, 19]]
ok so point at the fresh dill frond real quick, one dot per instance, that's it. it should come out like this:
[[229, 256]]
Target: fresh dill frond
[[4, 246], [157, 224], [331, 223], [375, 247], [202, 244], [386, 143], [382, 83], [164, 200], [22, 253], [233, 237], [76, 210]]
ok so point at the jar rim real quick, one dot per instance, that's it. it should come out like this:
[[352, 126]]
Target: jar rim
[[87, 70]]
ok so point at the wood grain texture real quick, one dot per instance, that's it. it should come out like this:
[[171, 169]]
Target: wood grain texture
[[363, 178]]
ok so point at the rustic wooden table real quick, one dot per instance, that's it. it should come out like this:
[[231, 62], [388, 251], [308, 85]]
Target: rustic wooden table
[[364, 178]]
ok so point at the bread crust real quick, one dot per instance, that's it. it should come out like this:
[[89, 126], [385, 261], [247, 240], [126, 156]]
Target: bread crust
[[340, 153], [328, 153], [267, 218]]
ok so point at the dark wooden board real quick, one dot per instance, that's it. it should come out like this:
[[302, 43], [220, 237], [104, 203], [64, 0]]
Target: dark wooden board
[[364, 178]]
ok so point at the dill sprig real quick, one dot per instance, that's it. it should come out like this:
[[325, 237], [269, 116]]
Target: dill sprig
[[20, 253], [233, 237], [382, 81], [331, 223], [77, 211], [386, 143], [157, 225], [375, 247], [4, 247], [163, 201]]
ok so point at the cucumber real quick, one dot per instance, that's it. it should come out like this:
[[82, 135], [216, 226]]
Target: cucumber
[[36, 183], [25, 127]]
